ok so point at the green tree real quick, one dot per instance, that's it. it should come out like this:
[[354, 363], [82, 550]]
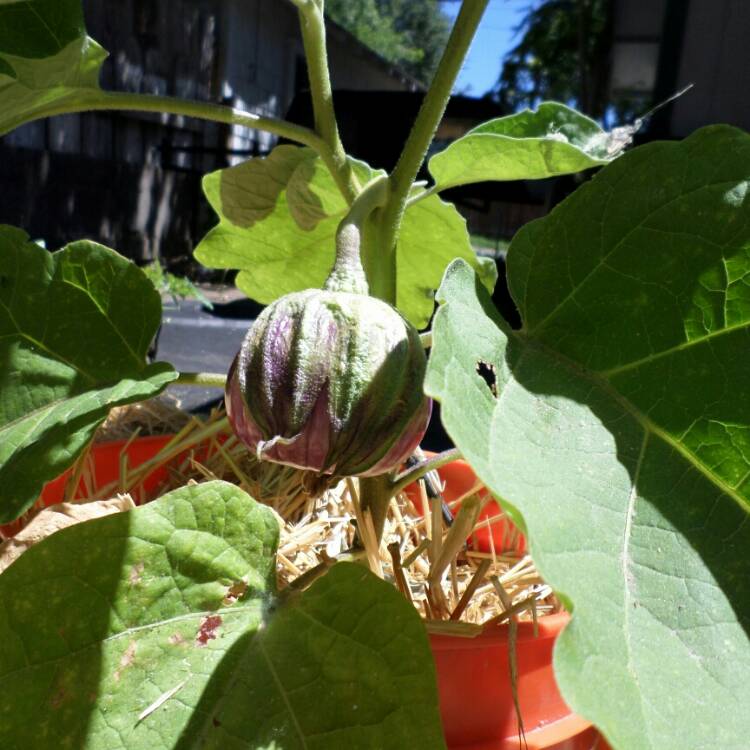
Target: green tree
[[564, 54], [408, 33]]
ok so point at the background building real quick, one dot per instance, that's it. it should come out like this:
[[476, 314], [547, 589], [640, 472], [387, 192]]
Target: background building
[[132, 181], [659, 46]]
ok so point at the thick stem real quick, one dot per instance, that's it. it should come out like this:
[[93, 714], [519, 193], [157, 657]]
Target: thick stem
[[312, 25], [375, 495], [348, 275], [422, 133], [97, 100], [202, 379]]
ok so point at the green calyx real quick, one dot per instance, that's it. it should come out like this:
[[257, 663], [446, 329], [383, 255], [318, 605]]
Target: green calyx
[[348, 274]]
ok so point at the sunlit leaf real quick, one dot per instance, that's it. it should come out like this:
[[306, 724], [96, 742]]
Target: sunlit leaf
[[277, 224], [621, 432], [530, 145]]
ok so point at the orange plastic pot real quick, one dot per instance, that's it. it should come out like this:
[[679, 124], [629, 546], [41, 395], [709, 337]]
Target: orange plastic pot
[[501, 535], [476, 695], [106, 458]]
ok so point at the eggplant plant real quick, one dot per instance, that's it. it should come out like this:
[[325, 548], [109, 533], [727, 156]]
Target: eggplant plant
[[616, 431]]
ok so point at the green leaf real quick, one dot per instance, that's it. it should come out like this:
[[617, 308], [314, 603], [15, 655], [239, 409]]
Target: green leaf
[[530, 145], [278, 217], [621, 432], [75, 327], [433, 234], [176, 601], [46, 59]]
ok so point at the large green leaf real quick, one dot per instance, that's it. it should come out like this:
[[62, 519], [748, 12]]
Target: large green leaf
[[278, 218], [75, 327], [620, 430], [530, 145], [177, 601], [46, 59], [433, 234]]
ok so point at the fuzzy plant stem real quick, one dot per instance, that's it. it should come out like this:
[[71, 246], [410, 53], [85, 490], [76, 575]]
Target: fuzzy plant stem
[[97, 100], [417, 471], [312, 25], [348, 275], [383, 284], [202, 379]]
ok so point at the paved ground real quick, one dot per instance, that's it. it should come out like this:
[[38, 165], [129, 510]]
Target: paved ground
[[194, 339]]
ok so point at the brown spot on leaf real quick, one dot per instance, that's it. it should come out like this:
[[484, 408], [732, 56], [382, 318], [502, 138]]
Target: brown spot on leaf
[[176, 639], [58, 698], [216, 722], [207, 630], [126, 659], [135, 574], [236, 591]]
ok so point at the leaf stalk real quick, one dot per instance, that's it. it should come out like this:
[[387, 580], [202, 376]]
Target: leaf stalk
[[202, 379], [97, 100], [312, 26], [420, 137]]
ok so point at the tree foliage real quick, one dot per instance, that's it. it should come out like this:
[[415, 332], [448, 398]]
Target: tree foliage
[[408, 33], [563, 55]]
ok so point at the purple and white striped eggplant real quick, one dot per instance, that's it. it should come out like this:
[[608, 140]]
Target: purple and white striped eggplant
[[330, 381]]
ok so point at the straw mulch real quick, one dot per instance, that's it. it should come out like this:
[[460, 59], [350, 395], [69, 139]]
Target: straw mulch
[[455, 588]]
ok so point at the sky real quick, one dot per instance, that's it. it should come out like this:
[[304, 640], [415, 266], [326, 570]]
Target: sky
[[494, 38]]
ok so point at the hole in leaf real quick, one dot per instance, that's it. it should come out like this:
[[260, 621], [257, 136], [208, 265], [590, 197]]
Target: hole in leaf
[[486, 371]]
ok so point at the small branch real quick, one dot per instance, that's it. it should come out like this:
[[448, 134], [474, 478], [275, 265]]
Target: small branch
[[416, 198], [202, 379], [97, 100], [312, 25], [419, 140], [409, 476]]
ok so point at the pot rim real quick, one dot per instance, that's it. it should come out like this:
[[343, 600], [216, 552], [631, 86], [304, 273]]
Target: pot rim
[[497, 636]]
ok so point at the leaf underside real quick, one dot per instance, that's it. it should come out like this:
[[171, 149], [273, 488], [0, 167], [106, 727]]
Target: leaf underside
[[161, 628], [278, 217], [530, 145], [75, 327], [621, 432]]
